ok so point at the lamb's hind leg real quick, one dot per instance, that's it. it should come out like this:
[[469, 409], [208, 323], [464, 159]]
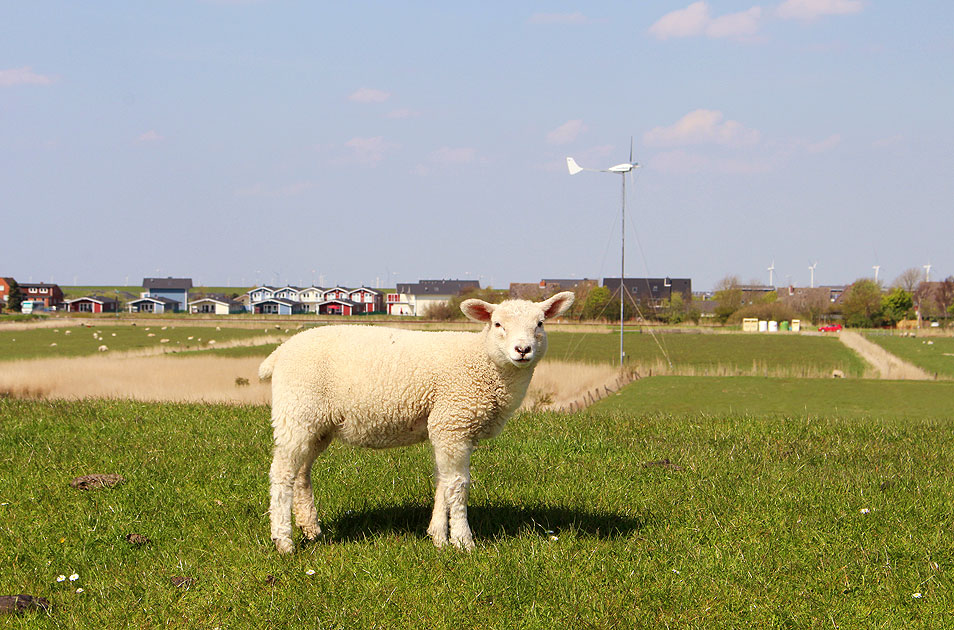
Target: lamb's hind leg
[[292, 445], [306, 517]]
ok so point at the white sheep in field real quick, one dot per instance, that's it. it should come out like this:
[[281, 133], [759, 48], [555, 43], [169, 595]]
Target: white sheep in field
[[380, 387]]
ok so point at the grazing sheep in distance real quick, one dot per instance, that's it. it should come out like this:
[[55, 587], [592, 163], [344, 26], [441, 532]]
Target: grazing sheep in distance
[[381, 387], [103, 348]]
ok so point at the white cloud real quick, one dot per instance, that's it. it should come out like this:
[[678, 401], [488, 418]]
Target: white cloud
[[150, 136], [811, 9], [23, 76], [559, 18], [687, 22], [369, 151], [702, 126], [369, 95], [696, 20], [459, 155], [566, 133], [735, 25]]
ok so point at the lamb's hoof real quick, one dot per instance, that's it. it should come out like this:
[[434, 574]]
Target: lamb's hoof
[[311, 533], [284, 545]]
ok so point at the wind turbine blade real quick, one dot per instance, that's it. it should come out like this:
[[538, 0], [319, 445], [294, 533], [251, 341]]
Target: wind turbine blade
[[631, 149], [572, 166]]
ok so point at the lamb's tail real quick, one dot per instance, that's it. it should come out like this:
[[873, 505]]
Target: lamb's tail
[[268, 366]]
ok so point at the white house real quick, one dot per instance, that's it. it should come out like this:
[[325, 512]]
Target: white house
[[416, 298], [216, 305], [311, 297]]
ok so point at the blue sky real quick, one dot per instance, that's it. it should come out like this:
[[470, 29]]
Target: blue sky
[[239, 142]]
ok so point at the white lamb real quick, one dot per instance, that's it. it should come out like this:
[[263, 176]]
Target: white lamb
[[380, 387]]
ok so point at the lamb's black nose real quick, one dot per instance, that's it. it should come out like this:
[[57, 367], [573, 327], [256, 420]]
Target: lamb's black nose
[[523, 351]]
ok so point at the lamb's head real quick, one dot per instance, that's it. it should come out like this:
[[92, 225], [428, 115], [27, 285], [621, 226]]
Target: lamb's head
[[514, 334]]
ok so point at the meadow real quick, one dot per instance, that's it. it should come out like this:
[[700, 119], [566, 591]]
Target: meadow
[[79, 340], [935, 354], [601, 519], [713, 354]]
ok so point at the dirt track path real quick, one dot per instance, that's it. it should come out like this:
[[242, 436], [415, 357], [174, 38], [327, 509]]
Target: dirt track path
[[887, 365]]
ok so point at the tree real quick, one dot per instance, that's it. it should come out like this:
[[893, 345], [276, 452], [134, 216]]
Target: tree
[[861, 306], [729, 297], [597, 303], [15, 298], [908, 280], [896, 305], [674, 309]]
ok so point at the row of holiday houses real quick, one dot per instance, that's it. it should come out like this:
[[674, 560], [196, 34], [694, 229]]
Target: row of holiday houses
[[172, 295]]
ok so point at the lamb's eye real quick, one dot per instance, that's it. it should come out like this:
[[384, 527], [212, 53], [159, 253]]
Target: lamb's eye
[[496, 324], [539, 324]]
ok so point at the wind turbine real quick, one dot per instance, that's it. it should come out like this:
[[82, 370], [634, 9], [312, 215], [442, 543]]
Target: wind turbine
[[812, 268], [927, 272], [771, 271], [623, 169]]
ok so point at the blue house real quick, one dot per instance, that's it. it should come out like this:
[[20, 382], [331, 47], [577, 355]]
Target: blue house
[[176, 289]]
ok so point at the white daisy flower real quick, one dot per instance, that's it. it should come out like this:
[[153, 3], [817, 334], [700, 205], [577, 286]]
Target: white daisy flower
[[310, 572], [79, 590], [864, 510], [74, 577], [60, 578], [916, 595]]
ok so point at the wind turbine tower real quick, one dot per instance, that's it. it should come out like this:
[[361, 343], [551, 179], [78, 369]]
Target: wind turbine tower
[[927, 272], [771, 271], [876, 268], [811, 267], [623, 169]]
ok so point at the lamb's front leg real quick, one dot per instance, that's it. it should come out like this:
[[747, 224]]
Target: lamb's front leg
[[450, 500]]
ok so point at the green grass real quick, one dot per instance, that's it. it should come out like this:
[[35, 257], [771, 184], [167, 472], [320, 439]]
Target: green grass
[[713, 353], [715, 396], [761, 524], [933, 354], [38, 342]]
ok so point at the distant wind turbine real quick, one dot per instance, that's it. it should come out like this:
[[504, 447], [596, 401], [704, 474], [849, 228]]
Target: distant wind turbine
[[876, 268], [771, 271], [622, 169], [927, 272], [811, 267]]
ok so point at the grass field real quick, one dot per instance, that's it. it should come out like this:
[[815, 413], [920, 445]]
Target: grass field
[[933, 354], [716, 396], [764, 520], [713, 354], [79, 340]]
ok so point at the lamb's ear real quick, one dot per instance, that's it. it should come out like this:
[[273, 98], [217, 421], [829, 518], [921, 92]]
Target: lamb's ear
[[558, 304], [477, 310]]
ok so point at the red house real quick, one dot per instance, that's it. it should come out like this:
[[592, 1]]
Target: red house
[[92, 304], [48, 295]]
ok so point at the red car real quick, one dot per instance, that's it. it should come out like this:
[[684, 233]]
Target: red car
[[829, 328]]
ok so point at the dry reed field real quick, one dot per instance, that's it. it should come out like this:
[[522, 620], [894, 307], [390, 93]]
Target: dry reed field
[[216, 379]]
